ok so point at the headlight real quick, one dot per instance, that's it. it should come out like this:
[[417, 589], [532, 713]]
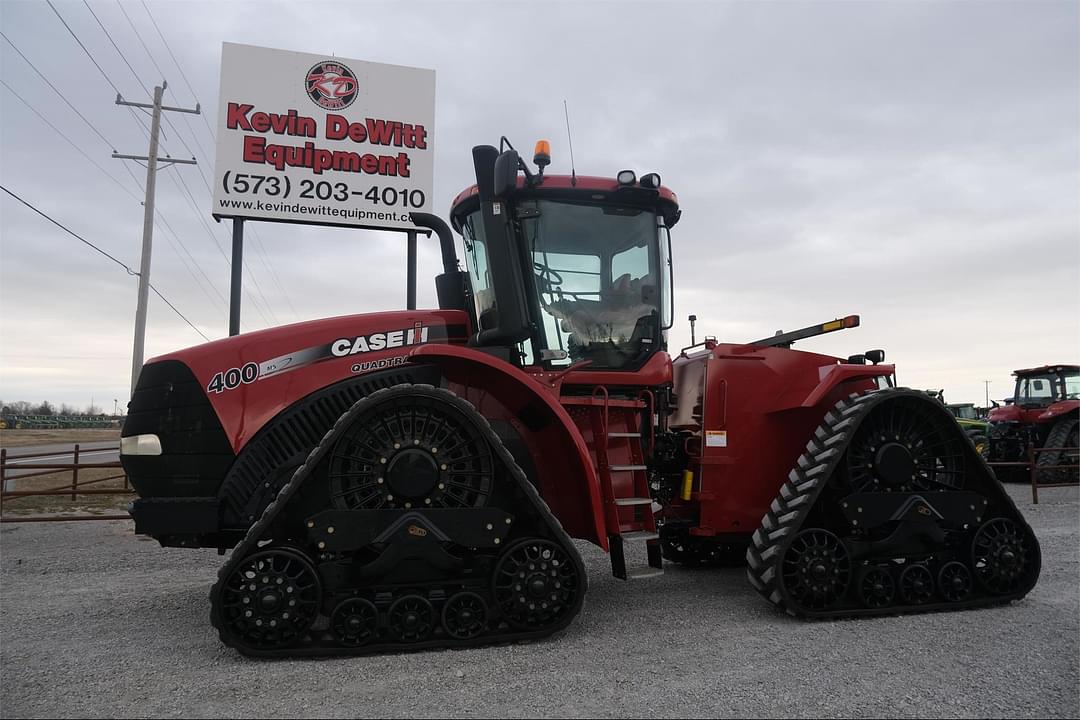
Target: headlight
[[140, 445]]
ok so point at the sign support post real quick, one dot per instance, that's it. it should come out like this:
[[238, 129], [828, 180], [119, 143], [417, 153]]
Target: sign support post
[[237, 275], [410, 282]]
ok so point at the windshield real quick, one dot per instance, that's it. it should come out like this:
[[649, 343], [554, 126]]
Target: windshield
[[598, 278], [965, 412], [1048, 388]]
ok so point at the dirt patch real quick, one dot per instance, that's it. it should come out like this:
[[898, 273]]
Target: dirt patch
[[23, 438]]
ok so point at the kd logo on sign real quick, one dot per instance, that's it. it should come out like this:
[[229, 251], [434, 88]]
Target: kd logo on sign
[[331, 85]]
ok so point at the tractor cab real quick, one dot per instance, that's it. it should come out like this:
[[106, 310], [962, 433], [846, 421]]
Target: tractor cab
[[567, 269], [1044, 386]]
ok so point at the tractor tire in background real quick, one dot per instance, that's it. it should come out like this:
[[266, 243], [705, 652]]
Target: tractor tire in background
[[1063, 435], [981, 443]]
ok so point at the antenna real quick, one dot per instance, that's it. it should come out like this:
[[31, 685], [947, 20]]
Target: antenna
[[573, 174]]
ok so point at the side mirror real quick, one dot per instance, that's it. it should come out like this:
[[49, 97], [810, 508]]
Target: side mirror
[[1037, 385], [506, 171]]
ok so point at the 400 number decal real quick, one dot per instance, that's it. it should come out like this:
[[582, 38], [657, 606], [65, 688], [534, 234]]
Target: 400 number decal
[[233, 378]]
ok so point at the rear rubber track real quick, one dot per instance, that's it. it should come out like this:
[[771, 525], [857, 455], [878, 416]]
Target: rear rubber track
[[814, 469]]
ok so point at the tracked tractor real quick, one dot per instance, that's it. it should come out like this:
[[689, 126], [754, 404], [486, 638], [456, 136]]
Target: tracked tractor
[[1044, 412], [417, 479]]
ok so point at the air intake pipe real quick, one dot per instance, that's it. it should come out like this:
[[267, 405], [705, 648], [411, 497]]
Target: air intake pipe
[[446, 239], [451, 285]]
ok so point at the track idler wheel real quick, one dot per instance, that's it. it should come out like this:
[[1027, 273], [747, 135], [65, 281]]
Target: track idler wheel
[[954, 580], [1001, 556], [354, 622], [816, 569], [465, 615], [536, 584], [916, 585], [270, 600], [411, 618], [877, 588]]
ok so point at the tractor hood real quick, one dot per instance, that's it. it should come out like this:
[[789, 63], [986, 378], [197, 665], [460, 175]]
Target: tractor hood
[[1013, 413], [250, 378]]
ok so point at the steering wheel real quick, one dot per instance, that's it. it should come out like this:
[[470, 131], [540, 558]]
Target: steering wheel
[[549, 276]]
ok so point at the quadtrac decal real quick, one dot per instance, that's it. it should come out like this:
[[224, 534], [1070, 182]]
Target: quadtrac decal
[[356, 345]]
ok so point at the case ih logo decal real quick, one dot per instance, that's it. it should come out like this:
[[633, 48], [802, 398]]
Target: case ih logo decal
[[418, 334], [379, 341], [331, 85]]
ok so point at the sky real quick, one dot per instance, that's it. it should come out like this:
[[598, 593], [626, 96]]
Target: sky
[[915, 163]]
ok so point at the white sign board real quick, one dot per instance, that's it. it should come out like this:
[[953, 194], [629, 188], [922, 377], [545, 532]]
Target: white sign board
[[321, 139]]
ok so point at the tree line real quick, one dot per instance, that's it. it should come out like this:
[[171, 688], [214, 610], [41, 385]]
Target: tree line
[[22, 407]]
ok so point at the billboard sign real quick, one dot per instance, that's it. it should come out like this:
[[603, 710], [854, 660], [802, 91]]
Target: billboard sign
[[321, 139]]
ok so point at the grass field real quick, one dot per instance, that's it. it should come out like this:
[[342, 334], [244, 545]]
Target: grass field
[[23, 438]]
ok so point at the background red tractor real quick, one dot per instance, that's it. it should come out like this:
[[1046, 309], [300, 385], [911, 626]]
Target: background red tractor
[[414, 479], [1044, 411]]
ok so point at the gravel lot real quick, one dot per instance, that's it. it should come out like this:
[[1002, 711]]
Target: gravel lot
[[97, 622]]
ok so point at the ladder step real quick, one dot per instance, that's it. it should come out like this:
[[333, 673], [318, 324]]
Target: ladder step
[[640, 535], [645, 572], [626, 468], [624, 434], [623, 502]]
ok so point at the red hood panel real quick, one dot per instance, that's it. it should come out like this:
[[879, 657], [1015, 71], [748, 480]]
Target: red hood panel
[[250, 378]]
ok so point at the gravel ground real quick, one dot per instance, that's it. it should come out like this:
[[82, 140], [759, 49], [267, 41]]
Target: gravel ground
[[97, 622]]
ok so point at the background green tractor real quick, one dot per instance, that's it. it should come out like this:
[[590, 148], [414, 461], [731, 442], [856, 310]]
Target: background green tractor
[[967, 416]]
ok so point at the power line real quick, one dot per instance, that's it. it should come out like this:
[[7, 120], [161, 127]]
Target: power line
[[72, 143], [167, 226], [162, 217], [191, 200], [190, 195], [166, 44], [110, 257], [261, 249], [58, 93], [177, 64], [118, 50], [138, 35], [105, 75]]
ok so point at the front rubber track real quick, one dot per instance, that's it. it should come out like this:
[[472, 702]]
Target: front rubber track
[[258, 532]]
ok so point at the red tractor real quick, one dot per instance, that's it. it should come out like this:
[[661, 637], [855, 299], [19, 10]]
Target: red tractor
[[413, 479], [1044, 412]]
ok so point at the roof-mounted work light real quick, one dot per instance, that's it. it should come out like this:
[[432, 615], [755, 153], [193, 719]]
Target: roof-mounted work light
[[651, 181], [626, 177]]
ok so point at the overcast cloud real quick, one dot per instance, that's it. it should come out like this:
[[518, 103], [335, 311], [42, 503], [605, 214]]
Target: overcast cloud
[[915, 163]]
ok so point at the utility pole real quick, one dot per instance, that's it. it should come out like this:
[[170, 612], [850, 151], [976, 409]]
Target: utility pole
[[152, 161]]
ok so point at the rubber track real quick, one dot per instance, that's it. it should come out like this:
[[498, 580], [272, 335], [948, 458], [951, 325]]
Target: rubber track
[[256, 532], [801, 490]]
